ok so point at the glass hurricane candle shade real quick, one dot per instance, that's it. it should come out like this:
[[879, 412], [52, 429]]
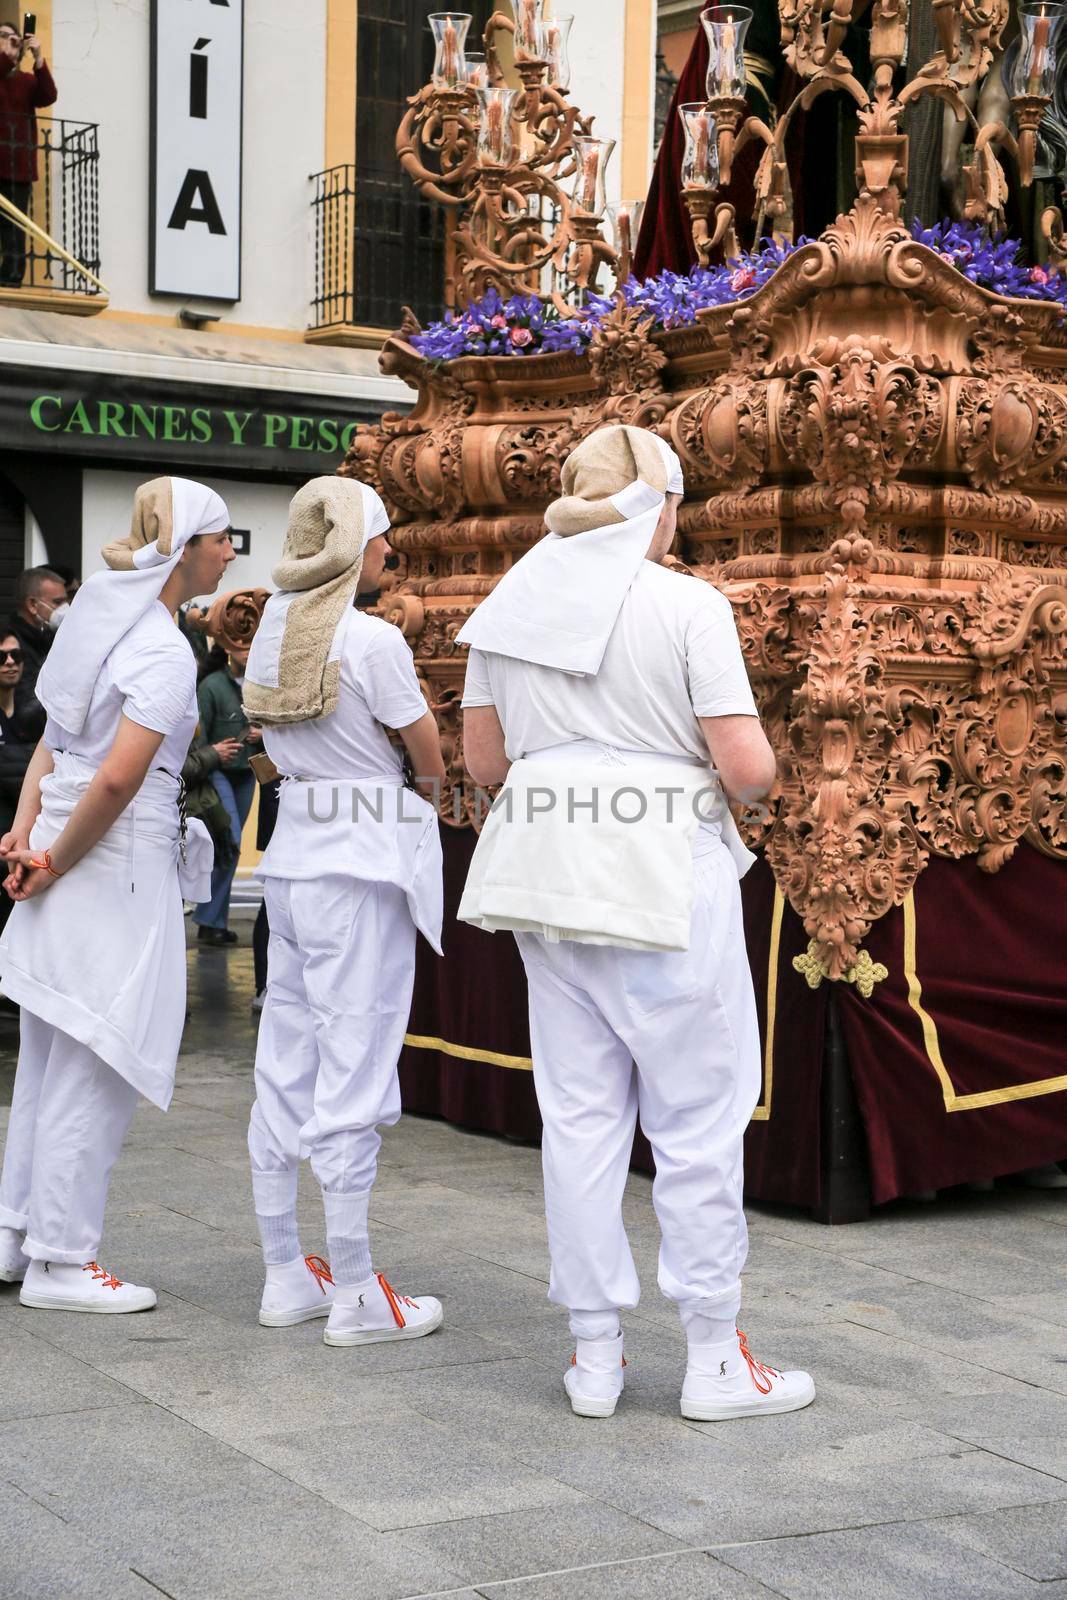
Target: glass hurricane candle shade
[[726, 27], [591, 158], [626, 225], [449, 29], [700, 163], [529, 30], [496, 144], [556, 32], [1035, 65], [477, 71]]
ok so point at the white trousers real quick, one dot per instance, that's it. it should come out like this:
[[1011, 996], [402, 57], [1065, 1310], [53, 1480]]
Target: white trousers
[[340, 972], [673, 1038], [69, 1115]]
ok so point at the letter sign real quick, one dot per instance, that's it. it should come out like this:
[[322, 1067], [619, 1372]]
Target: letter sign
[[196, 103]]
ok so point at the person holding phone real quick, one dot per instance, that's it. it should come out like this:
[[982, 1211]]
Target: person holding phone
[[223, 724], [22, 95]]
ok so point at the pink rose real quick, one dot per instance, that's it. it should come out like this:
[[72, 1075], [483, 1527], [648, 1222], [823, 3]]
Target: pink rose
[[1038, 275], [522, 337], [743, 278], [498, 321]]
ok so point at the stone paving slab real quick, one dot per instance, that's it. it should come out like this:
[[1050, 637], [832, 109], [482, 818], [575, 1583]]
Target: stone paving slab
[[191, 1453]]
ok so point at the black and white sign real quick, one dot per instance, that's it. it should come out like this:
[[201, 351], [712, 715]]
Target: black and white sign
[[197, 90]]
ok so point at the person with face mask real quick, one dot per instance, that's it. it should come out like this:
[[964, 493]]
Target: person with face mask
[[40, 608], [98, 863]]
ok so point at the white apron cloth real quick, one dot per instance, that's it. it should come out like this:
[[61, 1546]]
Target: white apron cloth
[[373, 829], [595, 845], [101, 954]]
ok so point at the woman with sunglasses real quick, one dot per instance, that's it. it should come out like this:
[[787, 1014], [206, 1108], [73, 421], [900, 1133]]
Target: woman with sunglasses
[[21, 725]]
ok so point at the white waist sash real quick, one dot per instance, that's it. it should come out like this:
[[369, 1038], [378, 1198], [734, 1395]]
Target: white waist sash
[[369, 828], [101, 953], [595, 844]]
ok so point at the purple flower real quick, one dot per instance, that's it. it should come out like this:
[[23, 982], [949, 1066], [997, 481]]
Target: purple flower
[[527, 325]]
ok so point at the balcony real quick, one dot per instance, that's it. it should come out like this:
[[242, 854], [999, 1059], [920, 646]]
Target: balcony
[[378, 247], [54, 263]]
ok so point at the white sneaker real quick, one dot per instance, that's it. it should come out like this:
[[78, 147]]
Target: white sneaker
[[13, 1259], [594, 1378], [372, 1311], [296, 1292], [54, 1286], [725, 1380]]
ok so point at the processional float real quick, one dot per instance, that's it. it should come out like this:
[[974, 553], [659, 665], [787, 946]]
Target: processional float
[[875, 451]]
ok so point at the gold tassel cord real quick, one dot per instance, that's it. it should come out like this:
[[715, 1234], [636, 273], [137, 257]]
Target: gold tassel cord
[[29, 226]]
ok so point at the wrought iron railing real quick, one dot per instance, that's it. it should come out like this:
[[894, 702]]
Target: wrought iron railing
[[378, 246], [55, 182]]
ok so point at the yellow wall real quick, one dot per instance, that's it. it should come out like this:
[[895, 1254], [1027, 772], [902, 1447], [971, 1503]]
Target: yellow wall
[[340, 82], [637, 105]]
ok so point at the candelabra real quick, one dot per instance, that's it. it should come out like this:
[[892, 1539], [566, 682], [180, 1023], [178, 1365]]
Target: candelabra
[[515, 161], [969, 36]]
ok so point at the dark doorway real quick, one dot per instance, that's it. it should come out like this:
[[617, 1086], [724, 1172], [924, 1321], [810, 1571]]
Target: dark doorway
[[399, 236], [12, 542]]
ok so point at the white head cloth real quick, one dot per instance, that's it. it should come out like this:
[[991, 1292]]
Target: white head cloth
[[558, 604], [167, 513]]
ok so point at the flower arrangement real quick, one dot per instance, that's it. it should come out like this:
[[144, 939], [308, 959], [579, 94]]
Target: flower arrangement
[[527, 325]]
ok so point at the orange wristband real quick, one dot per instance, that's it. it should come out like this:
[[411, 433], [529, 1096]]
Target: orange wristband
[[46, 864]]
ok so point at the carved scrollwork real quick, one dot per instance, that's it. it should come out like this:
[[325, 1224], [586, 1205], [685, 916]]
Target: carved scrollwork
[[876, 451], [857, 423]]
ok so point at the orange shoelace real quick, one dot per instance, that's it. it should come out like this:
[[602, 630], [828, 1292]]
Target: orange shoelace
[[394, 1300], [320, 1271], [101, 1274], [757, 1368]]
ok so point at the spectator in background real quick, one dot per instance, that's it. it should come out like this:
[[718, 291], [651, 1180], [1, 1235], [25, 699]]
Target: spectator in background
[[21, 725], [40, 606], [266, 818], [222, 720], [22, 94]]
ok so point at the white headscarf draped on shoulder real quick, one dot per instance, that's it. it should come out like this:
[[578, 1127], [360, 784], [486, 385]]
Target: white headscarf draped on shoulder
[[294, 667], [558, 604], [167, 513]]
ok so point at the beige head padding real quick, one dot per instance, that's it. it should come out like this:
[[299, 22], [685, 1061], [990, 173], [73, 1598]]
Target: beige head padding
[[324, 537], [605, 463], [153, 523]]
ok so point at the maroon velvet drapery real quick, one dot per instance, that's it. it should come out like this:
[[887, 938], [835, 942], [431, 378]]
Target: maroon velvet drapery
[[985, 963], [470, 1062], [665, 240], [816, 138]]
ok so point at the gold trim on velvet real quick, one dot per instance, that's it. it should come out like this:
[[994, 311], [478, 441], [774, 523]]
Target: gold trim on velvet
[[493, 1058], [954, 1101], [423, 1041], [762, 1112]]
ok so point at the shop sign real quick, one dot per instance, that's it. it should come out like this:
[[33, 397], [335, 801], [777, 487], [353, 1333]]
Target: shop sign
[[195, 92], [106, 417]]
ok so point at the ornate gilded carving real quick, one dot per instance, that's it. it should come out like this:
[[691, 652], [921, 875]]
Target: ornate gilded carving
[[876, 451]]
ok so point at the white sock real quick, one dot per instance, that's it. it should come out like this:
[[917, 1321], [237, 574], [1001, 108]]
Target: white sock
[[350, 1260], [347, 1239], [595, 1324], [279, 1237], [710, 1324]]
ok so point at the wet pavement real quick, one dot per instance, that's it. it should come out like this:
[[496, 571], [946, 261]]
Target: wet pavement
[[191, 1453]]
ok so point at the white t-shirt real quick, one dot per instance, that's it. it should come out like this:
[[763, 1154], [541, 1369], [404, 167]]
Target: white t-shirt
[[673, 656], [149, 677], [378, 686]]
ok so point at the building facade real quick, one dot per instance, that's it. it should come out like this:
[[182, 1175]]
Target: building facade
[[222, 238]]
